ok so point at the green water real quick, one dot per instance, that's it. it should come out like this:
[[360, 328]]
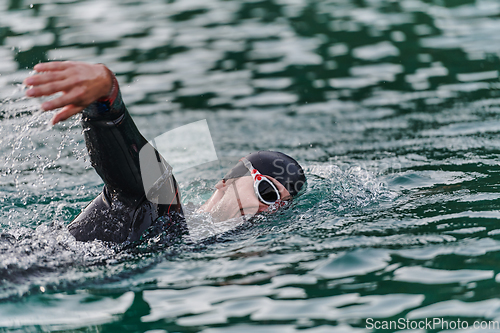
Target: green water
[[392, 107]]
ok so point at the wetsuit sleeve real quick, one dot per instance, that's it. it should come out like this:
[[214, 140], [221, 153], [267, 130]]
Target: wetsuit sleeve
[[114, 142], [122, 211]]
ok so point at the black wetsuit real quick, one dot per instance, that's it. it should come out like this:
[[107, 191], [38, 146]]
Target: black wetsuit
[[121, 212]]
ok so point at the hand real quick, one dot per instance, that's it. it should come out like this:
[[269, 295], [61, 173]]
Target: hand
[[81, 84]]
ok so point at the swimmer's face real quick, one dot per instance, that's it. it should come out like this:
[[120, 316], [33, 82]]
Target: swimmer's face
[[236, 197]]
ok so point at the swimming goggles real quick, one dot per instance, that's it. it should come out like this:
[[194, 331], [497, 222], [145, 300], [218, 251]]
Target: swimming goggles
[[264, 188]]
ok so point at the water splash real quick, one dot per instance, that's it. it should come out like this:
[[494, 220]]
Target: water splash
[[36, 197], [31, 150], [348, 188]]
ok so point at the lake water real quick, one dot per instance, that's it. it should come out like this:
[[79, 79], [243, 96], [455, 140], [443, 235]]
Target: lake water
[[392, 107]]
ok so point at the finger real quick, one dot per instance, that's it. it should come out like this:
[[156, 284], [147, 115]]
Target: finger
[[49, 88], [66, 112], [39, 79], [52, 66], [71, 97]]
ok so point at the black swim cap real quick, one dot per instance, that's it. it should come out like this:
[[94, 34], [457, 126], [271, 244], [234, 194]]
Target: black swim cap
[[280, 166]]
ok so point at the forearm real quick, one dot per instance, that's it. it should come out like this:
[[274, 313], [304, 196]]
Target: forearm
[[113, 142]]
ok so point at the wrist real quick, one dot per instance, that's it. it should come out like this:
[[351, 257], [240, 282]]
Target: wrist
[[113, 91]]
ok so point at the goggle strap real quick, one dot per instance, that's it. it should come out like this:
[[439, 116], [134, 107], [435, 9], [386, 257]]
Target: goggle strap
[[242, 211]]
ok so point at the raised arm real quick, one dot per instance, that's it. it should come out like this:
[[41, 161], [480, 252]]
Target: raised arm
[[113, 141], [122, 210]]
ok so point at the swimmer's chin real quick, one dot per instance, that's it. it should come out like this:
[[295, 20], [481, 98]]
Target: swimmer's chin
[[222, 211], [222, 215]]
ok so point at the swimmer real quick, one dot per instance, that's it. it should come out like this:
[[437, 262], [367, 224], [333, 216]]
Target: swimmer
[[123, 211]]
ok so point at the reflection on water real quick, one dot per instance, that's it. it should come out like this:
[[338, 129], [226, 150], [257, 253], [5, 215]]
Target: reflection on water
[[391, 106]]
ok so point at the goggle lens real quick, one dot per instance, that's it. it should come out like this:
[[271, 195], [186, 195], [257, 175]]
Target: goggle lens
[[267, 192]]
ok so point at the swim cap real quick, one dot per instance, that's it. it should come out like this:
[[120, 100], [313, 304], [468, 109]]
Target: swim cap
[[280, 166]]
